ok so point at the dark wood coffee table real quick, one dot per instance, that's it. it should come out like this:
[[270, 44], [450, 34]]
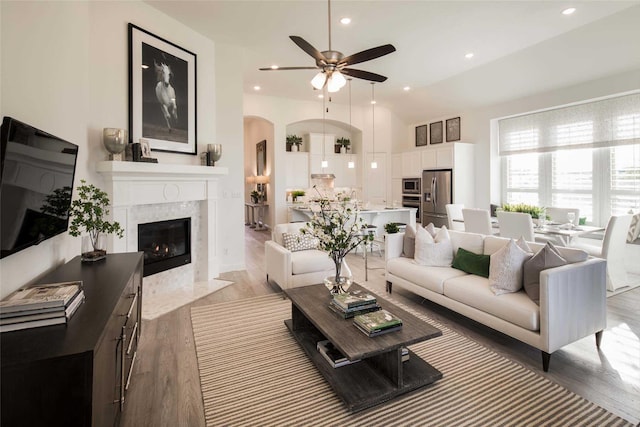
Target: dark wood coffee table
[[380, 375]]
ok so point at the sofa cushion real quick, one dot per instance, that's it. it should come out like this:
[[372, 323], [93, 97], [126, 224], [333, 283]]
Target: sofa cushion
[[409, 242], [547, 257], [472, 242], [430, 278], [505, 269], [471, 263], [474, 291], [299, 242], [435, 252], [310, 261]]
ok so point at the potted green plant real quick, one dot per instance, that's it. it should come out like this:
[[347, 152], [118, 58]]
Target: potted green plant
[[87, 213], [344, 144], [293, 142], [297, 193], [391, 228], [535, 211]]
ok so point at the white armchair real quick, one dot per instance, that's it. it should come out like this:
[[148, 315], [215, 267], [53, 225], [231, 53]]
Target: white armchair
[[300, 268]]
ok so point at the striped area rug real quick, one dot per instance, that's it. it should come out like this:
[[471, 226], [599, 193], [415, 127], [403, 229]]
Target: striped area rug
[[252, 372]]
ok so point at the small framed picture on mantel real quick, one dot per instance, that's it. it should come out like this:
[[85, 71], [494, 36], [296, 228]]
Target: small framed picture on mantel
[[453, 129], [421, 135]]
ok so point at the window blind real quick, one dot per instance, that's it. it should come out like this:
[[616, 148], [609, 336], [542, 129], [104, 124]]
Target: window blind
[[603, 123]]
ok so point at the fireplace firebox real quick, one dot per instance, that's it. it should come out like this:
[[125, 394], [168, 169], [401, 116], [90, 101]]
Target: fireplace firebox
[[166, 244]]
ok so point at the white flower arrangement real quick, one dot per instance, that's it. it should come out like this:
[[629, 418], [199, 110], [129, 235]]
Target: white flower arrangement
[[337, 225]]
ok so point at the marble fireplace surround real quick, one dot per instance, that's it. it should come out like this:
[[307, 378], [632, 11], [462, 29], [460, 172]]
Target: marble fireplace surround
[[147, 192]]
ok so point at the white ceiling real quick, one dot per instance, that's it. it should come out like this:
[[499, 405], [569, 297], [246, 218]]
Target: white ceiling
[[520, 47]]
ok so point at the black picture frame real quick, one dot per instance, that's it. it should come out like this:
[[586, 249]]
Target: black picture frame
[[453, 129], [421, 135], [162, 93], [435, 133]]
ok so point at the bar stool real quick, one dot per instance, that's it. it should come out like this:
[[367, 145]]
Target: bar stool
[[372, 230]]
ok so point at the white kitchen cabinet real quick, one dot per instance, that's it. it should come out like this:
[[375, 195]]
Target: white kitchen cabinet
[[296, 169], [440, 157], [315, 141], [411, 164]]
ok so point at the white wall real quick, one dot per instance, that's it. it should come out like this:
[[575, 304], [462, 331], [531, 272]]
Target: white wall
[[64, 70]]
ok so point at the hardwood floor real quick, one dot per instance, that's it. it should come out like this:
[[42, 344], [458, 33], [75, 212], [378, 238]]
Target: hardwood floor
[[165, 388]]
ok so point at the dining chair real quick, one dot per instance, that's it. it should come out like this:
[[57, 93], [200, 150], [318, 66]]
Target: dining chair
[[454, 216], [477, 221], [559, 215], [612, 249], [515, 225]]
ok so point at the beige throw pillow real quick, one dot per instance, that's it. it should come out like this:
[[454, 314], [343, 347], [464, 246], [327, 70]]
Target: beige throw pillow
[[433, 252], [547, 257], [409, 242], [505, 268], [299, 242]]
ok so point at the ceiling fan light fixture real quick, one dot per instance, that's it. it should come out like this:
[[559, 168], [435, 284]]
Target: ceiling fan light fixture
[[336, 81], [319, 80]]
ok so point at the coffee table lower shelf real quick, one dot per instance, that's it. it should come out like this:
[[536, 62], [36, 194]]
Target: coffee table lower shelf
[[362, 385]]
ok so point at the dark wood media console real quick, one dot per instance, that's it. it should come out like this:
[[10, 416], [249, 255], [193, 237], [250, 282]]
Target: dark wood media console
[[77, 374]]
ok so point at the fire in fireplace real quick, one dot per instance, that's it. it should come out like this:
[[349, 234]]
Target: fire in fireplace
[[166, 244]]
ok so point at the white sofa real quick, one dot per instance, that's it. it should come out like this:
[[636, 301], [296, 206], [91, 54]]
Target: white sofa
[[572, 297], [300, 268]]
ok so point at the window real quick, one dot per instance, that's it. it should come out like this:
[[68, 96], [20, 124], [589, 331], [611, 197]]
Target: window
[[585, 156]]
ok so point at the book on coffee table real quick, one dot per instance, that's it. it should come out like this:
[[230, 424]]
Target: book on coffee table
[[353, 299], [352, 312], [377, 322], [333, 355]]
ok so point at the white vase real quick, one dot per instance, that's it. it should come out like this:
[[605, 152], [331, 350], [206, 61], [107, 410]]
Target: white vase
[[343, 150], [294, 147]]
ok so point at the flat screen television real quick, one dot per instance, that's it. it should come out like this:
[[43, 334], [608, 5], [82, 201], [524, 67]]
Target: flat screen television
[[37, 171]]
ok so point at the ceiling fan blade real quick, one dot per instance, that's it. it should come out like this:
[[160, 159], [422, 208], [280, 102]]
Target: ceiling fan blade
[[365, 75], [368, 55], [287, 68], [312, 51]]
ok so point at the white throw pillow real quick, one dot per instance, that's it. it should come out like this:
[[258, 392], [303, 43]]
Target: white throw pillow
[[505, 268], [431, 229], [523, 245], [433, 252]]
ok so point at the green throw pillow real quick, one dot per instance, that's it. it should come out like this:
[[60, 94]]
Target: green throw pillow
[[472, 263]]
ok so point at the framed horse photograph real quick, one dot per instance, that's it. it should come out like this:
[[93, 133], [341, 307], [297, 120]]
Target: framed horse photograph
[[162, 93]]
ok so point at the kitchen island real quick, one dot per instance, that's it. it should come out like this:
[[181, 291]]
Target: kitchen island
[[376, 216]]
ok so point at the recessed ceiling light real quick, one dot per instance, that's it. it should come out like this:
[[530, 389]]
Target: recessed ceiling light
[[144, 67], [345, 21], [469, 55], [406, 88], [256, 88], [274, 67], [569, 11], [373, 102], [321, 96]]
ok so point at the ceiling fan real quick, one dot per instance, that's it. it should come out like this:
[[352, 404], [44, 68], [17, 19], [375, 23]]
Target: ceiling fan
[[333, 64]]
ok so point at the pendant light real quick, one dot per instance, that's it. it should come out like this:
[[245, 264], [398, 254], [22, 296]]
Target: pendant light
[[324, 163], [351, 163], [374, 164]]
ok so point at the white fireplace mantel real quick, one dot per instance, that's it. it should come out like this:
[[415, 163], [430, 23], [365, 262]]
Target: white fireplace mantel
[[131, 184]]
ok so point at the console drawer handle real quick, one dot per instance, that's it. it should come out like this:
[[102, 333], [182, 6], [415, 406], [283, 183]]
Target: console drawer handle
[[133, 304]]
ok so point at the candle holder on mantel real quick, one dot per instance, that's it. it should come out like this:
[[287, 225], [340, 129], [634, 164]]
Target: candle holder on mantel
[[115, 141], [214, 152]]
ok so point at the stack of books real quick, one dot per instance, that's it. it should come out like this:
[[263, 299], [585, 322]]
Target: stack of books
[[353, 303], [41, 305], [333, 355], [377, 323]]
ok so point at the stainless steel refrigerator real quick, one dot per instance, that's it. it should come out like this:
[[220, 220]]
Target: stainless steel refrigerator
[[436, 194]]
